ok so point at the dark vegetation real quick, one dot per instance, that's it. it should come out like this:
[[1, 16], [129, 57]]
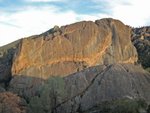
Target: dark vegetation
[[148, 69], [121, 106], [141, 40], [50, 95]]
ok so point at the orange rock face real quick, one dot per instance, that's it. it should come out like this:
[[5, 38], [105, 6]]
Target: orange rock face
[[71, 48]]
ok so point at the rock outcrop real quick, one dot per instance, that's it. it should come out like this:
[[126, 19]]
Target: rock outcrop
[[96, 63], [111, 82], [91, 87], [141, 40], [71, 48]]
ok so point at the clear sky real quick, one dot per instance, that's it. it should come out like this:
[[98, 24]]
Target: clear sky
[[21, 18]]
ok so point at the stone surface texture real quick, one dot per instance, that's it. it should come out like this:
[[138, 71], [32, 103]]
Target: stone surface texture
[[71, 48]]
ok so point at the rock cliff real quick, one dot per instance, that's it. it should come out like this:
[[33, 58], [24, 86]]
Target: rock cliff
[[71, 48], [95, 64]]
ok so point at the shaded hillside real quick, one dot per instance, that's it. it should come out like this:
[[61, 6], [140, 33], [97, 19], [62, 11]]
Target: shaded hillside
[[7, 53], [141, 40], [85, 90]]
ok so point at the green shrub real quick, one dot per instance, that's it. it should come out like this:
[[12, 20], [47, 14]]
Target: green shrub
[[51, 94], [148, 69], [120, 106], [129, 106]]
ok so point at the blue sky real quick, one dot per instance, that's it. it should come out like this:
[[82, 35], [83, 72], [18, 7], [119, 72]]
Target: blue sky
[[22, 18]]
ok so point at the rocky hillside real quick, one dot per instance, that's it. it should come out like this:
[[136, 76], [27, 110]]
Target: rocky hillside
[[141, 40], [85, 67], [83, 91], [6, 60]]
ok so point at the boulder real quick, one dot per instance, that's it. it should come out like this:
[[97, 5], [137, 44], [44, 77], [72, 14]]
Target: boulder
[[115, 82], [73, 48]]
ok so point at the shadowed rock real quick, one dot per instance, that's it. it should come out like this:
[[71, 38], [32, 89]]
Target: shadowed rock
[[141, 40], [117, 81], [93, 86], [7, 53]]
